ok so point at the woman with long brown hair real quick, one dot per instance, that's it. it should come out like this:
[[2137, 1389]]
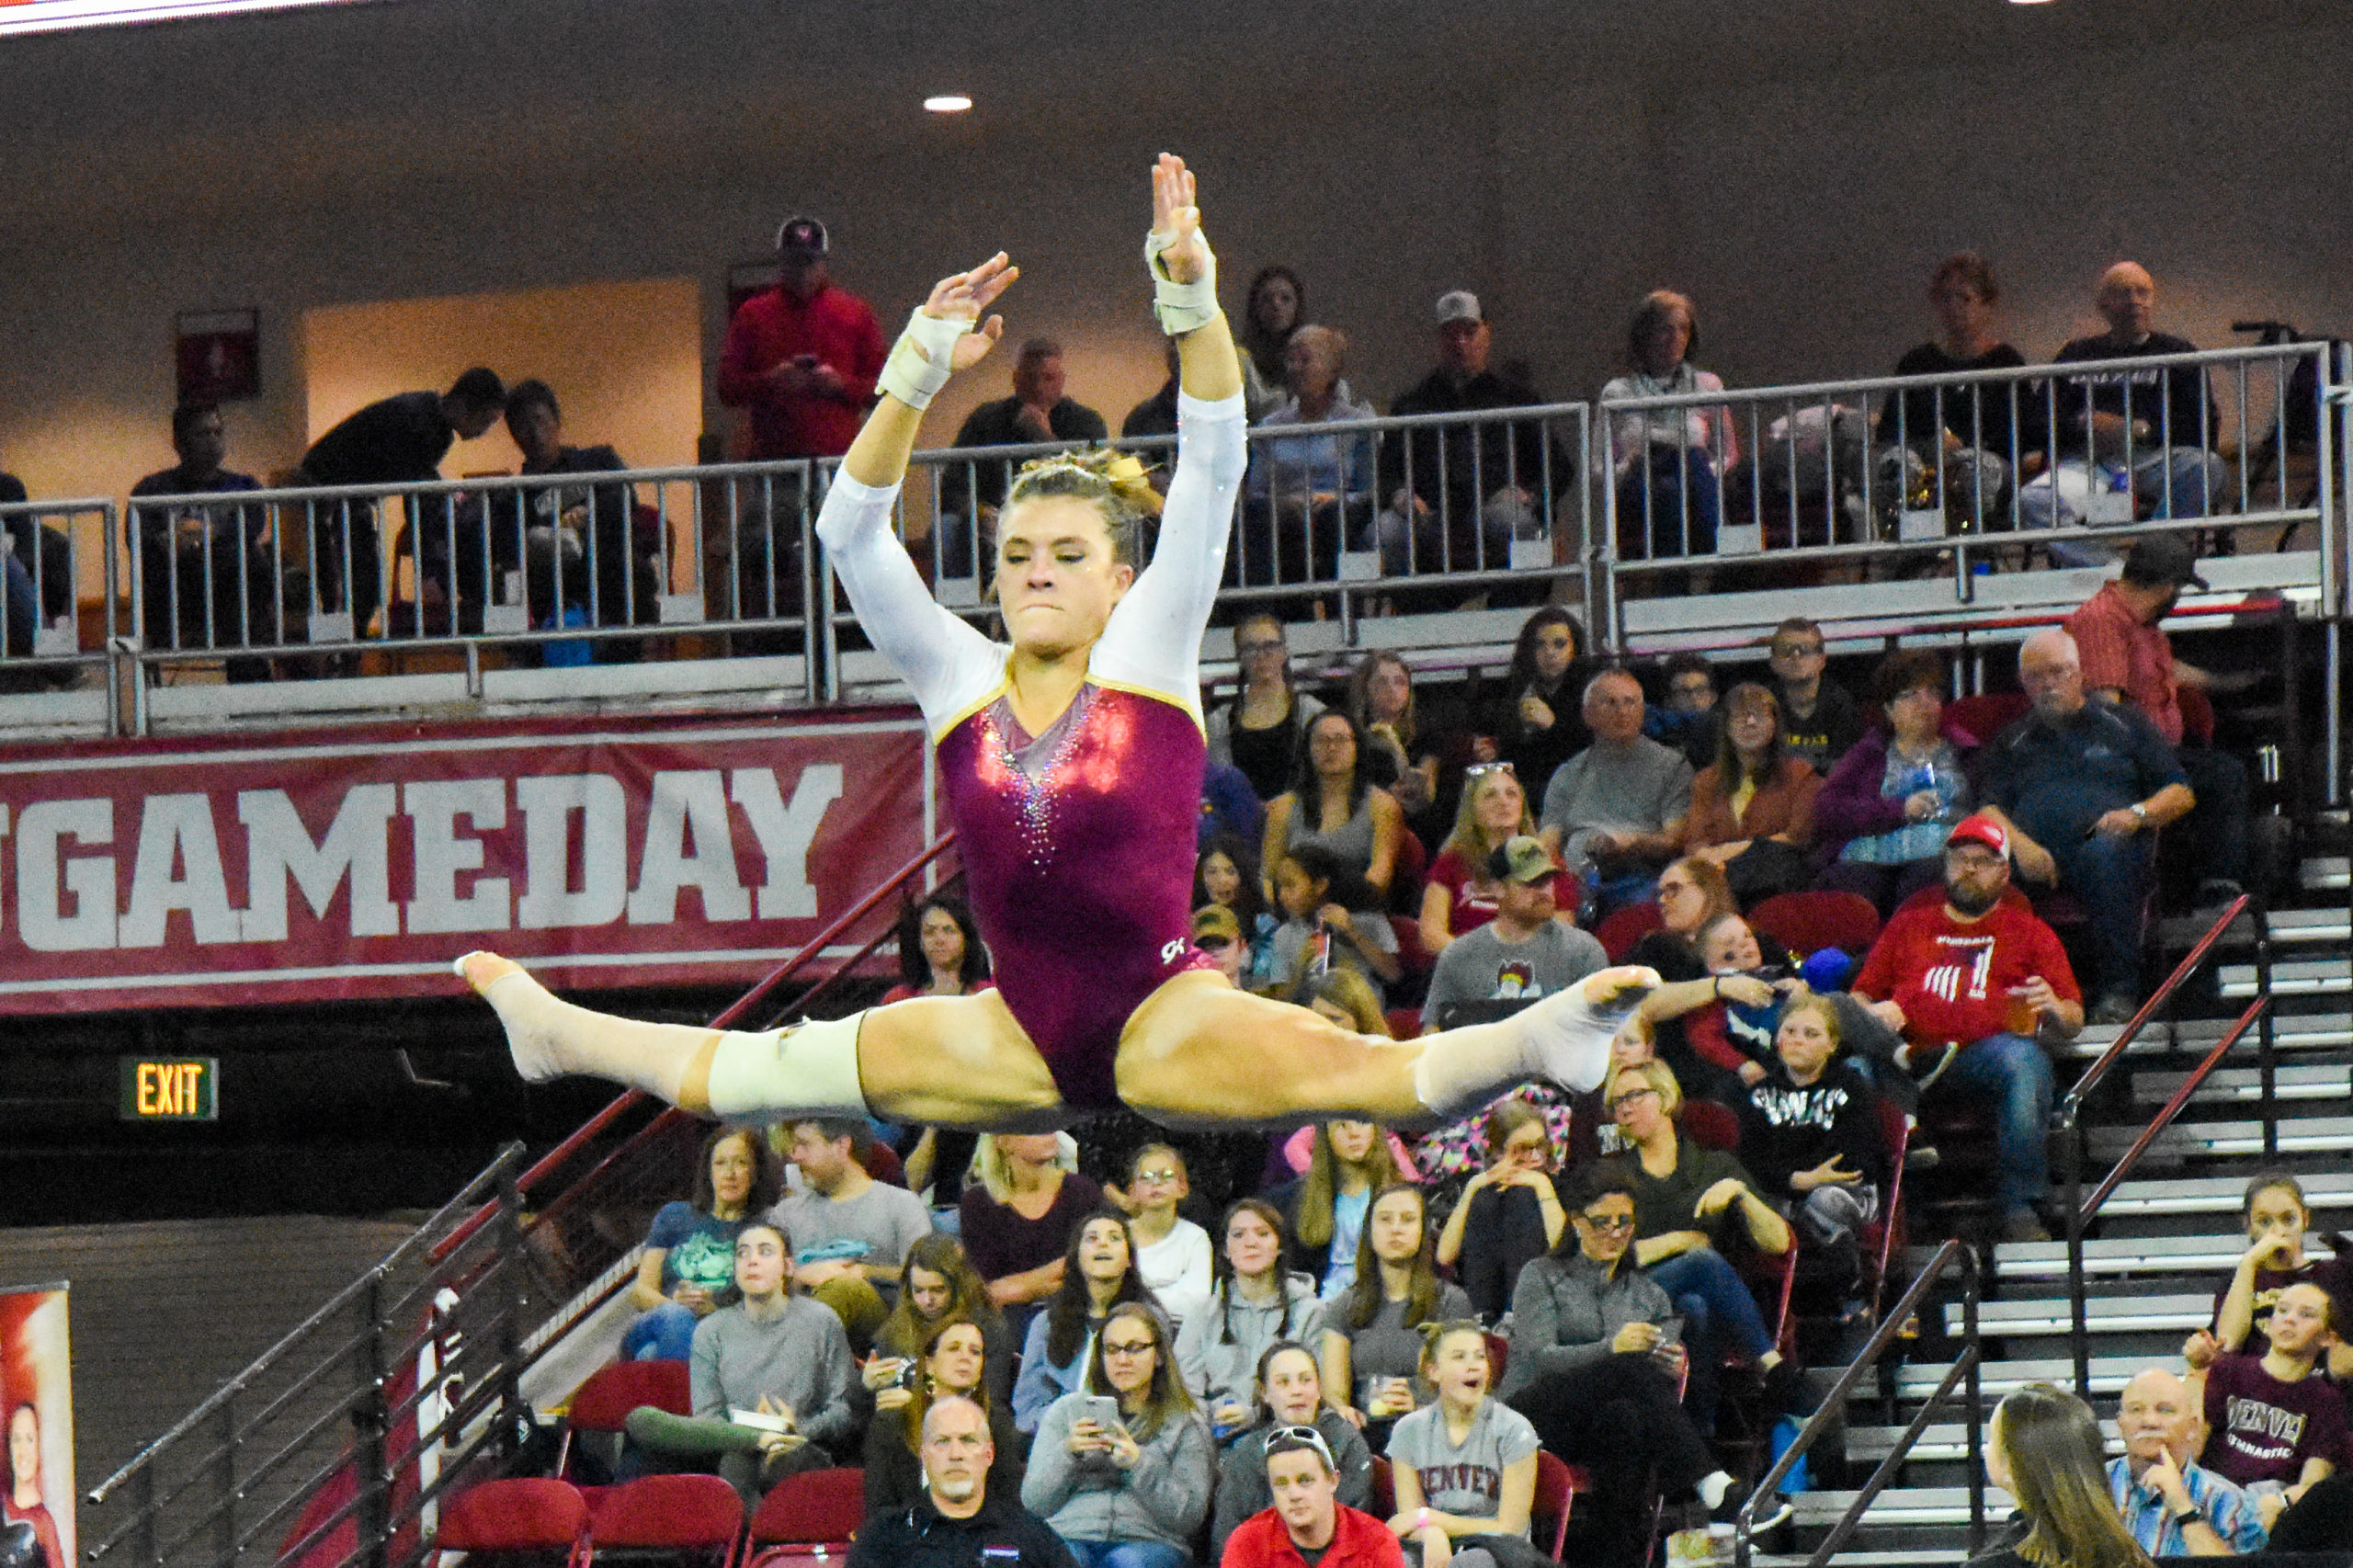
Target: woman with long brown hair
[[952, 1361], [940, 1284], [2044, 1447], [688, 1258], [1752, 809], [1372, 1347], [1325, 1206], [1122, 1467]]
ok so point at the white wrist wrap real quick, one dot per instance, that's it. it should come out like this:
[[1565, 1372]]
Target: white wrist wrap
[[811, 1068], [922, 359], [1181, 307]]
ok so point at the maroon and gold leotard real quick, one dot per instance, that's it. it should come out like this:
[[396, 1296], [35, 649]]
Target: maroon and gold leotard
[[1077, 843]]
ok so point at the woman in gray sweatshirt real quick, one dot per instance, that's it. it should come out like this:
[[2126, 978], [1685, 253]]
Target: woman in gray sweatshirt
[[1253, 1303], [1122, 1468]]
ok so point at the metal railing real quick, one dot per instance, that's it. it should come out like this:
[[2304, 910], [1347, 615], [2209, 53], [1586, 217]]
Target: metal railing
[[1832, 1413], [42, 558], [333, 1448]]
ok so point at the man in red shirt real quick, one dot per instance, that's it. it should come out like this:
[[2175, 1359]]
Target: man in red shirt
[[2127, 658], [1981, 981], [801, 359], [1307, 1517]]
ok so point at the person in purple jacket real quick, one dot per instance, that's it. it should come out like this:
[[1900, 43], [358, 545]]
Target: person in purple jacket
[[1883, 816], [1071, 764]]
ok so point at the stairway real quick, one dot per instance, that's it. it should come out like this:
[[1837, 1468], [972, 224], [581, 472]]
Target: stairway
[[2164, 1242]]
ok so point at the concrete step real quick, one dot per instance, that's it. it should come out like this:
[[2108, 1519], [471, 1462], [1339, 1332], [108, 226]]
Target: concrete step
[[1901, 1505], [2213, 1140], [2292, 977], [2113, 1257], [2043, 1315], [2329, 1192], [1940, 1442], [1915, 1381], [2324, 873], [2238, 1085], [2287, 926], [2290, 1031]]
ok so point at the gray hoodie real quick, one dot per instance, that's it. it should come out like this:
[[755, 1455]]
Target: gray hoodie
[[1216, 1368], [800, 1358], [1566, 1310], [1164, 1497]]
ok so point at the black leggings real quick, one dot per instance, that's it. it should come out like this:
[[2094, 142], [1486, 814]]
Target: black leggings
[[1618, 1417]]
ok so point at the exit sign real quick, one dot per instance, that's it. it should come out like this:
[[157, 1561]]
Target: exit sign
[[180, 1088]]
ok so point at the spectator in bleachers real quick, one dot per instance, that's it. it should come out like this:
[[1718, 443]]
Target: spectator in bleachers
[[1670, 463], [1978, 983], [1594, 1366], [1172, 1253], [1460, 895], [1303, 1518], [1688, 719], [1464, 1463], [1508, 1213], [1690, 1204], [1262, 730], [1962, 433], [1230, 806], [2276, 1217], [1751, 807], [1099, 1272], [688, 1258], [941, 1285], [2128, 658], [1125, 1485], [24, 1502], [1810, 1130], [1819, 719], [1372, 1344], [802, 358], [1227, 875], [2149, 429], [2276, 1428], [579, 542], [2174, 1506], [1615, 809], [2043, 1447], [1334, 803], [1254, 1304], [951, 1364], [1691, 894], [972, 490], [940, 951], [1019, 1221], [399, 439], [1540, 723], [44, 553], [957, 1523], [1400, 756], [2082, 788], [1325, 1208], [1458, 494], [1218, 933], [1319, 932], [1277, 300], [1885, 810], [1715, 1029], [1310, 497], [1156, 415], [851, 1230], [769, 1352], [1523, 951], [21, 606], [206, 577]]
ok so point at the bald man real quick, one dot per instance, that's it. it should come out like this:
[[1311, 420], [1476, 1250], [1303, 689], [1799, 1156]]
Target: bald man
[[2173, 1506], [2155, 425], [2082, 787]]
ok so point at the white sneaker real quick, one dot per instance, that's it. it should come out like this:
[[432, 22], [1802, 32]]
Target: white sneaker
[[1571, 1031]]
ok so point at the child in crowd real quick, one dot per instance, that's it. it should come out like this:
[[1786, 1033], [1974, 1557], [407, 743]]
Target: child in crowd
[[1810, 1133], [1318, 933]]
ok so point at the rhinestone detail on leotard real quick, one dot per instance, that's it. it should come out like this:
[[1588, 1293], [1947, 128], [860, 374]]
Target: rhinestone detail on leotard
[[1033, 790]]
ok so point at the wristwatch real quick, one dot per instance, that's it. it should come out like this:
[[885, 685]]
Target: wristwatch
[[2140, 815], [2189, 1515]]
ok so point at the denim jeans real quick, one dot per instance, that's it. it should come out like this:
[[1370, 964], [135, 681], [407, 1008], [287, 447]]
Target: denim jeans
[[1669, 503], [1126, 1554], [2169, 481], [2110, 877], [2014, 1073], [666, 1334]]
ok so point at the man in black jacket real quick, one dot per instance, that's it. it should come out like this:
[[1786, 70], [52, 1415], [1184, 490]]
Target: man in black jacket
[[958, 1524]]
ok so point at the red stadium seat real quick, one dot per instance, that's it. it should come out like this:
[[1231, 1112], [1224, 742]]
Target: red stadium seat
[[514, 1514], [1404, 1022], [604, 1401], [1808, 922], [882, 1163], [1385, 1488], [1882, 1239], [1988, 714], [1557, 1484], [668, 1513], [1412, 956], [1712, 1126], [1622, 928], [1405, 875], [2197, 716], [819, 1508]]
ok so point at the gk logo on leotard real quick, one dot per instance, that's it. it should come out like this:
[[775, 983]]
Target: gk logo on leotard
[[1171, 951]]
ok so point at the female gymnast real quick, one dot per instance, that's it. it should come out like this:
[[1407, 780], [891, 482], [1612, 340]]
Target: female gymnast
[[1072, 762]]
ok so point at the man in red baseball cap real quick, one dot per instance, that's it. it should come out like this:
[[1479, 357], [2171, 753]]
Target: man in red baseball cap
[[1982, 984]]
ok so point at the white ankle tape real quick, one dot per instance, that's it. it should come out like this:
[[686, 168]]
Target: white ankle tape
[[923, 358], [1181, 307], [810, 1068]]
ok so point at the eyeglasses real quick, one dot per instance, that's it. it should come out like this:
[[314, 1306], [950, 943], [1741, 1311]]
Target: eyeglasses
[[1628, 1098], [1249, 650], [1156, 1175], [1796, 650], [1129, 1347], [1607, 1222], [1968, 860]]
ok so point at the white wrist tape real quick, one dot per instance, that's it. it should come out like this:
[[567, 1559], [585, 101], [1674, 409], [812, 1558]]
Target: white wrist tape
[[922, 359], [810, 1068], [1181, 307]]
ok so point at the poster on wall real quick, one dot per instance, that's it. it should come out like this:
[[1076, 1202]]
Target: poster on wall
[[37, 1393], [217, 355], [52, 16]]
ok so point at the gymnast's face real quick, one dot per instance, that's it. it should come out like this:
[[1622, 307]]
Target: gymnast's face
[[1057, 579]]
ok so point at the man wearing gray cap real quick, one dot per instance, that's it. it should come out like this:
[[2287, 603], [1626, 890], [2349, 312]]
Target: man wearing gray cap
[[1456, 496], [2128, 659], [1524, 952]]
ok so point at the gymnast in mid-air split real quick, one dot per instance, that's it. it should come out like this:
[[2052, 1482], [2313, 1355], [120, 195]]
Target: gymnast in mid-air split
[[1072, 761]]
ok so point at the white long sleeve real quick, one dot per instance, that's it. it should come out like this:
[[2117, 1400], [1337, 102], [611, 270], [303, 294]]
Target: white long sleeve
[[1153, 639], [948, 665]]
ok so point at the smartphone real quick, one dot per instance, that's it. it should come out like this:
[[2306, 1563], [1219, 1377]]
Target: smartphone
[[1099, 1408]]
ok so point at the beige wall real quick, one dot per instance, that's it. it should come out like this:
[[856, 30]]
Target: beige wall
[[1796, 168]]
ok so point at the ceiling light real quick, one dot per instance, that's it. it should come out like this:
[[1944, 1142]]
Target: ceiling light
[[947, 103]]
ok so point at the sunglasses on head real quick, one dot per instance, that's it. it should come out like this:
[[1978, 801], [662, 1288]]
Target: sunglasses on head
[[1303, 1437], [1481, 769]]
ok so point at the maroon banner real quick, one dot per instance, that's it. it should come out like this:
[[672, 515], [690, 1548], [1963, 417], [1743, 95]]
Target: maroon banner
[[355, 864]]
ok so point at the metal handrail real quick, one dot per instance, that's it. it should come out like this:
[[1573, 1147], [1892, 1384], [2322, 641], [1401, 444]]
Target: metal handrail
[[2080, 1209], [2072, 1107], [1832, 1411]]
